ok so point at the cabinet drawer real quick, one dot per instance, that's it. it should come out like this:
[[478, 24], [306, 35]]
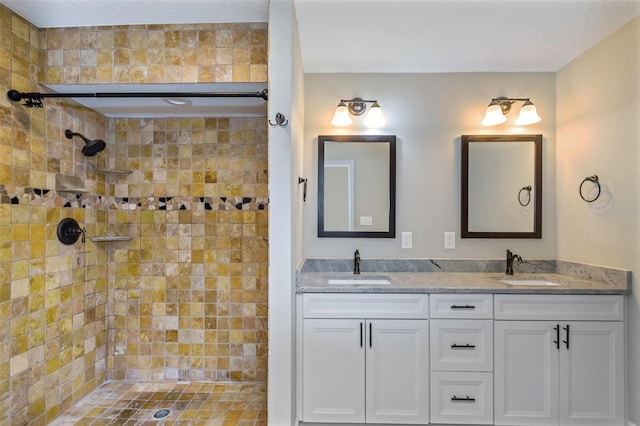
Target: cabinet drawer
[[365, 305], [461, 345], [462, 398], [461, 306], [559, 307]]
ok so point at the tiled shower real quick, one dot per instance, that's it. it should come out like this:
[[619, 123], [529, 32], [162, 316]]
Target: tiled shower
[[186, 298]]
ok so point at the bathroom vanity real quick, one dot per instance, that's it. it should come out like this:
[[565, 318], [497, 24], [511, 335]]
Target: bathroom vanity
[[460, 348]]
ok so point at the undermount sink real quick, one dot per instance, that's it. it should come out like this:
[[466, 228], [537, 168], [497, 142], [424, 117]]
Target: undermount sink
[[363, 280], [530, 282]]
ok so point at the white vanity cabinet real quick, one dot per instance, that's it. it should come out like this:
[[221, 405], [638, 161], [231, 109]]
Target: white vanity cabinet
[[559, 360], [365, 358], [461, 359]]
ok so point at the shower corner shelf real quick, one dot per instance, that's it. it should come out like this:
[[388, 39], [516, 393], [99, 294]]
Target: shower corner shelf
[[115, 172], [107, 239]]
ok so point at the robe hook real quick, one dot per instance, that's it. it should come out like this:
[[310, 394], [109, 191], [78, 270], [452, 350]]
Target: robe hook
[[280, 121]]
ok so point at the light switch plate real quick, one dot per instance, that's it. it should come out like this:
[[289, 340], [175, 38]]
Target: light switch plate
[[449, 240], [407, 240]]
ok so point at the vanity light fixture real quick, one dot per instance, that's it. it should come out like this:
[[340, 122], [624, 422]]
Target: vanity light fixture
[[357, 107], [499, 107]]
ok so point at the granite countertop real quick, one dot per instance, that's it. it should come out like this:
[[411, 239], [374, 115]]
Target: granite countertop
[[454, 282]]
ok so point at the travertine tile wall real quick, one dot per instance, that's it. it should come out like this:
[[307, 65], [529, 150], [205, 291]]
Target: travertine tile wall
[[155, 54], [187, 296], [190, 291], [52, 297]]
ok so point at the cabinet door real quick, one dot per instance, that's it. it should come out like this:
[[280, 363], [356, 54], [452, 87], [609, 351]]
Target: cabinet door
[[397, 371], [333, 370], [591, 374], [526, 368]]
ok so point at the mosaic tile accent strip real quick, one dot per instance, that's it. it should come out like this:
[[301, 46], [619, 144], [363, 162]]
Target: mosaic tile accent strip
[[50, 198], [188, 203], [10, 194]]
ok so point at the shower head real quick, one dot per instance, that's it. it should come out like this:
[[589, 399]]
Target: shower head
[[91, 148]]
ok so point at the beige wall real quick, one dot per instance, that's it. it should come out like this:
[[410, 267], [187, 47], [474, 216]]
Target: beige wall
[[428, 113], [599, 133], [286, 91]]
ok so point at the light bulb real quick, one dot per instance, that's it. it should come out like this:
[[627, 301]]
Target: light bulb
[[374, 117], [528, 114], [493, 115], [341, 117]]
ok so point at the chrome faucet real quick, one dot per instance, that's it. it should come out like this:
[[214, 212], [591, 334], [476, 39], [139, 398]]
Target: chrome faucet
[[356, 262], [510, 258]]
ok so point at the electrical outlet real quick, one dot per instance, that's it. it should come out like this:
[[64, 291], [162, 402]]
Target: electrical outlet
[[407, 240], [366, 220], [449, 240]]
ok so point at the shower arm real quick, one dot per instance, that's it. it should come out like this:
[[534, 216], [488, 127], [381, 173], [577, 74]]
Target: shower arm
[[34, 99], [84, 138]]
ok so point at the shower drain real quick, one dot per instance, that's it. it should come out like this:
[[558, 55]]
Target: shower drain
[[161, 414]]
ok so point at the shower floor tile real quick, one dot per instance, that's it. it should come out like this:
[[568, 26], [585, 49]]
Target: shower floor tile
[[190, 403]]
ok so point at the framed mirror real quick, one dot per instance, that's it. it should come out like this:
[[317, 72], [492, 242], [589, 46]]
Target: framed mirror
[[501, 186], [357, 186]]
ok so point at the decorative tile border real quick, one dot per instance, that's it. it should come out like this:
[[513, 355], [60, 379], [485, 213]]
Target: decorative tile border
[[191, 203], [50, 198]]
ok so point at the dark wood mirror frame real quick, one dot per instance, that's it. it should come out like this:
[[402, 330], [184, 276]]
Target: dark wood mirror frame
[[537, 225], [391, 140]]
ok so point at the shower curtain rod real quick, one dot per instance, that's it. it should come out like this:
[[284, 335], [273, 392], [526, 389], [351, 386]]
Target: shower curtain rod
[[34, 99]]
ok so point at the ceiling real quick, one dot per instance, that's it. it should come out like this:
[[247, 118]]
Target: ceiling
[[87, 13], [425, 36], [379, 36]]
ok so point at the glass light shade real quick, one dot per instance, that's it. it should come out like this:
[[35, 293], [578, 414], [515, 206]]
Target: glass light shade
[[493, 115], [341, 117], [528, 114], [374, 117]]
